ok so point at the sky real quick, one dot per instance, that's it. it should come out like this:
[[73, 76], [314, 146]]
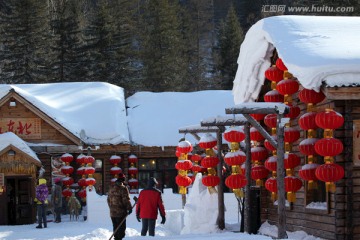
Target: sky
[[195, 221]]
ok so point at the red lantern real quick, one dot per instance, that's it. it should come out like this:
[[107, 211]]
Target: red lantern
[[235, 181], [292, 185], [184, 147], [258, 154], [291, 160], [67, 170], [234, 134], [132, 170], [183, 181], [307, 146], [235, 158], [134, 183], [210, 181], [196, 158], [274, 74], [273, 96], [66, 158], [115, 170], [307, 172], [89, 170], [183, 165], [259, 172], [287, 86], [80, 171], [271, 163], [291, 135], [90, 181], [293, 113], [80, 159], [268, 145], [132, 158], [330, 173], [280, 65], [257, 116], [89, 159], [196, 168], [67, 181], [328, 147], [255, 135], [271, 186], [311, 96], [307, 121], [67, 193], [270, 120], [207, 141], [209, 162], [115, 160], [82, 182], [82, 193], [329, 119]]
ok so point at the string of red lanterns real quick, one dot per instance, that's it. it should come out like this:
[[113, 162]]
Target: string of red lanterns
[[67, 170], [132, 172], [183, 165]]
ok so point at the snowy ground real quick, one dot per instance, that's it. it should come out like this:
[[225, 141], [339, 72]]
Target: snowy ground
[[99, 224]]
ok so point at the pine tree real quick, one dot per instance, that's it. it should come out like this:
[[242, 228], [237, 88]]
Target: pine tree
[[164, 64], [230, 38]]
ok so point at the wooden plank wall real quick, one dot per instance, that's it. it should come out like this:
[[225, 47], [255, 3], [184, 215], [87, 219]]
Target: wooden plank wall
[[343, 219]]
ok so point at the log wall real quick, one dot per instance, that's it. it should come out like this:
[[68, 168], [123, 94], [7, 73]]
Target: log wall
[[341, 221]]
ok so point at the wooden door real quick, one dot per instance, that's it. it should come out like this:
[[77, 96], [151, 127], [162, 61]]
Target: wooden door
[[20, 197]]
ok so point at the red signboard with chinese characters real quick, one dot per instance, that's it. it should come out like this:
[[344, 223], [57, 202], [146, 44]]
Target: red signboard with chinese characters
[[25, 128]]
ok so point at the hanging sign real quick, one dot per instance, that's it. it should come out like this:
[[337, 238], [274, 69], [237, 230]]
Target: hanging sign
[[356, 142], [25, 128]]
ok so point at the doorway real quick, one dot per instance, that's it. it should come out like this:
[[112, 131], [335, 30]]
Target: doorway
[[18, 202]]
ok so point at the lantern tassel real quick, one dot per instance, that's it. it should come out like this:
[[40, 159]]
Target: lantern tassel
[[259, 182], [273, 196], [238, 192], [212, 190], [291, 197], [330, 187], [312, 185], [182, 190]]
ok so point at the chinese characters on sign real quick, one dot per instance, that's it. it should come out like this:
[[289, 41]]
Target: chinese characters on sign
[[356, 143], [26, 128]]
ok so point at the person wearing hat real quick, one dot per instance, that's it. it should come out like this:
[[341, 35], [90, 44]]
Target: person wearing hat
[[147, 206], [120, 206], [41, 196], [56, 199]]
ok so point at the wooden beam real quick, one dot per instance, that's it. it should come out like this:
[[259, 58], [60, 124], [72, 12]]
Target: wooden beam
[[247, 223], [198, 129], [342, 93], [258, 107], [224, 121]]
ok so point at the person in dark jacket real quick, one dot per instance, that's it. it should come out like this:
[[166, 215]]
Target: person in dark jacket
[[120, 206], [147, 207], [56, 199], [41, 196]]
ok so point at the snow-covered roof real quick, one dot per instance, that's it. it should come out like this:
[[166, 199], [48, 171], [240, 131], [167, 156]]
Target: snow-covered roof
[[9, 138], [316, 49], [155, 118], [97, 108]]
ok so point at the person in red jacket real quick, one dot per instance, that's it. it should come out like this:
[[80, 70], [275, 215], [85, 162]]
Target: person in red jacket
[[147, 208]]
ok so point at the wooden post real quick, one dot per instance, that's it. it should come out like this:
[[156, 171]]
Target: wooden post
[[248, 177], [183, 200], [280, 178], [221, 205]]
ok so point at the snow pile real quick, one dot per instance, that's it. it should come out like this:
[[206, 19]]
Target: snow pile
[[313, 48], [201, 210]]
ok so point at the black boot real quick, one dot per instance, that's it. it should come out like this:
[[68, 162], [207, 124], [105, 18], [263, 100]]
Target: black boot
[[39, 226]]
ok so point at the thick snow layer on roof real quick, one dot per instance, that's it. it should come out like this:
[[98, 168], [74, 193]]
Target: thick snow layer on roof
[[155, 118], [95, 107], [316, 49], [9, 138]]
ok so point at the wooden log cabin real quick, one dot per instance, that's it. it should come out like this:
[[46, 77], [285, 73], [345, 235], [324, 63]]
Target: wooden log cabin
[[40, 123], [322, 55]]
